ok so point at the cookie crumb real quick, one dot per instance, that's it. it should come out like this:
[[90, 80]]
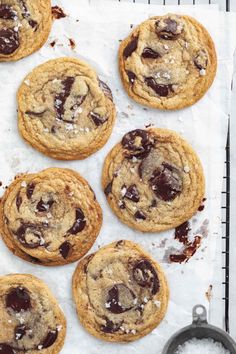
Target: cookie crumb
[[58, 13]]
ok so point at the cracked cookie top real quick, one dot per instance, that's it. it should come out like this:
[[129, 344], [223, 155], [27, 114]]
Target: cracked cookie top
[[120, 292], [24, 27], [65, 110], [153, 180], [168, 62], [31, 321], [51, 217]]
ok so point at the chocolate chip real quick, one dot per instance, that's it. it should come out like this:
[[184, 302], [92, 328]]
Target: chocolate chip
[[178, 258], [20, 332], [18, 299], [131, 47], [106, 89], [139, 215], [120, 243], [119, 299], [7, 12], [33, 24], [57, 12], [9, 41], [139, 142], [132, 193], [108, 189], [169, 31], [53, 129], [6, 349], [166, 182], [49, 340], [145, 275], [181, 232], [160, 89], [18, 201], [131, 76], [110, 327], [201, 60], [65, 249], [122, 204], [44, 206], [30, 190], [153, 203], [36, 236], [61, 98], [149, 53], [79, 223], [97, 119]]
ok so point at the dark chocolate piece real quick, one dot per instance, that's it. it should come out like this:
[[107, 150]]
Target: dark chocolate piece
[[119, 299], [49, 340], [160, 89], [61, 98], [131, 47], [138, 142], [106, 89], [149, 53], [9, 41], [79, 223], [65, 249], [97, 119], [18, 299], [139, 215], [132, 193], [30, 190], [145, 275]]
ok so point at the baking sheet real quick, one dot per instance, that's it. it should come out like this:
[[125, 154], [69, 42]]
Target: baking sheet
[[96, 29]]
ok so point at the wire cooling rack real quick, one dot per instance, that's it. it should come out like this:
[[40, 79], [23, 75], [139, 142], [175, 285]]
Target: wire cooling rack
[[225, 5]]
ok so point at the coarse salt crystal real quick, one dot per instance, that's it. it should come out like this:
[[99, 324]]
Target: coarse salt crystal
[[133, 331], [157, 303], [202, 72], [166, 46], [40, 347], [206, 346], [145, 300], [23, 184], [123, 191], [186, 169]]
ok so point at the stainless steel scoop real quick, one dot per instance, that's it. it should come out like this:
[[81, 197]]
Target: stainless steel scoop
[[199, 329]]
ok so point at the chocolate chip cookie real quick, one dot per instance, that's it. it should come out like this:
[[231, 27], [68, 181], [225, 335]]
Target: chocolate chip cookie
[[120, 292], [153, 180], [24, 27], [65, 110], [51, 217], [168, 62], [31, 320]]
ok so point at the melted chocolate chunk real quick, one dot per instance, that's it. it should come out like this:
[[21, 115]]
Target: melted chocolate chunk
[[44, 206], [188, 252], [110, 327], [181, 233], [160, 89], [169, 31], [57, 13], [108, 189], [30, 190], [61, 98], [131, 76], [6, 349], [139, 215], [65, 249], [36, 238], [79, 223], [131, 47], [27, 16], [18, 299], [149, 53], [7, 12], [153, 203], [132, 193], [106, 89], [20, 332], [145, 275], [139, 142], [97, 119], [18, 201], [166, 182], [49, 340], [9, 41], [119, 299], [201, 60]]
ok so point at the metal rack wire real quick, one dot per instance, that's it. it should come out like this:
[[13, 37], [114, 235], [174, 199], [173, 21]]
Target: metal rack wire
[[224, 5]]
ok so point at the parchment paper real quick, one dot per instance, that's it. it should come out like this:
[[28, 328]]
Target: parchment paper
[[97, 33]]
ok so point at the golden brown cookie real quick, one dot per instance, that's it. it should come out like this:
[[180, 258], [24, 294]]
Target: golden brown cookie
[[153, 180], [121, 293], [51, 217], [168, 62], [65, 111], [31, 320], [24, 27]]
